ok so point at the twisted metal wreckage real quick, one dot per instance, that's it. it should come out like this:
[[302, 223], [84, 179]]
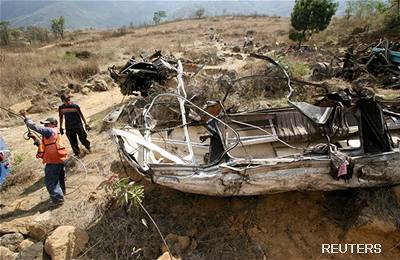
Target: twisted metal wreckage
[[265, 151]]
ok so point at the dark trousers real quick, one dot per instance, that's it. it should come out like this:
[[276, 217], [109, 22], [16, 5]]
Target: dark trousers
[[54, 179], [73, 134]]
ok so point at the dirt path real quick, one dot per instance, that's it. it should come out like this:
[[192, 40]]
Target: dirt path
[[30, 196]]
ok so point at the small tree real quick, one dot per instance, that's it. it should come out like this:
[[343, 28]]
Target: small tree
[[4, 33], [61, 26], [57, 26], [311, 16], [158, 16], [369, 12], [349, 11], [33, 34], [200, 12], [392, 15]]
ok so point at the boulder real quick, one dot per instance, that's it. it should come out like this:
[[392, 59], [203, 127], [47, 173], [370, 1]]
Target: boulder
[[41, 225], [40, 104], [21, 106], [66, 242], [11, 241], [100, 85], [74, 87], [25, 244], [18, 225], [37, 231], [32, 252], [85, 90], [7, 254], [236, 49]]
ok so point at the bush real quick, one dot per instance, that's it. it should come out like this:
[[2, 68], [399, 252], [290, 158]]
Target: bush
[[120, 32], [4, 33], [36, 34], [311, 16], [200, 13]]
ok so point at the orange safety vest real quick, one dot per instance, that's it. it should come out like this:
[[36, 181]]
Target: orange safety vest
[[52, 150]]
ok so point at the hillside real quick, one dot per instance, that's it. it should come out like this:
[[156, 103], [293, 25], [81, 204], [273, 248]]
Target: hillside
[[290, 225], [111, 14]]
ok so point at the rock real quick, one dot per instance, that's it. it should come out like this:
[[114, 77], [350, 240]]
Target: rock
[[43, 84], [25, 243], [74, 87], [85, 90], [238, 56], [63, 90], [11, 241], [21, 106], [236, 49], [34, 252], [100, 85], [40, 104], [88, 85], [77, 88], [7, 254], [66, 242], [176, 243], [37, 231], [41, 225], [18, 225], [113, 85], [166, 256]]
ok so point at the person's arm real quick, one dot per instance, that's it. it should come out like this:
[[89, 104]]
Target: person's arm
[[41, 130], [61, 117], [82, 117]]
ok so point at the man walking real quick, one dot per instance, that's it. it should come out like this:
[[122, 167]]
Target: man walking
[[73, 124], [53, 153]]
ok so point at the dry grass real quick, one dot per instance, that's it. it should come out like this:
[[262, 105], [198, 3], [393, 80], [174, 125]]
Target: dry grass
[[22, 68], [22, 72]]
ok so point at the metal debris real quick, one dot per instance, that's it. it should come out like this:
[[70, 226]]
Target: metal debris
[[141, 75], [380, 61]]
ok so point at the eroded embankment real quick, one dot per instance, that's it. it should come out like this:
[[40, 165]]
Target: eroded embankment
[[287, 225]]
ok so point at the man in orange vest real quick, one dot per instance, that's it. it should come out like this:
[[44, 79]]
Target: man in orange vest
[[54, 155]]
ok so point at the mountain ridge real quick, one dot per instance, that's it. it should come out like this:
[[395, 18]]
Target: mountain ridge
[[112, 14]]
